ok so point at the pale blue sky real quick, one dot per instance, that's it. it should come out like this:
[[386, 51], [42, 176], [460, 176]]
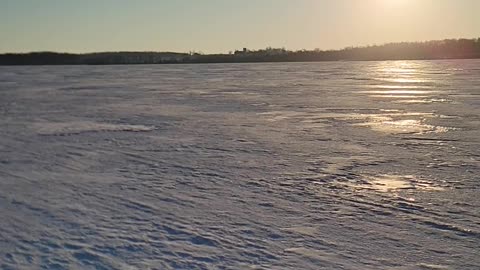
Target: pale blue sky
[[224, 25]]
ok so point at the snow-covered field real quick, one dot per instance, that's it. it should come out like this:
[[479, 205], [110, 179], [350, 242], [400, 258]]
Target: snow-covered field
[[365, 165]]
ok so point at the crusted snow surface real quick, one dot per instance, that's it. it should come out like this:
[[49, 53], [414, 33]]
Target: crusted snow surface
[[363, 165]]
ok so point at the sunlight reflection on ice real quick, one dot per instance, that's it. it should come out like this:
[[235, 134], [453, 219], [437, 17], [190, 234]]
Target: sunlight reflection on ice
[[397, 96], [425, 101], [408, 83], [397, 92], [392, 183], [404, 126], [386, 121], [399, 86], [407, 80]]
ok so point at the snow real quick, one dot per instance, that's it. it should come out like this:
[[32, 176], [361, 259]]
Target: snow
[[351, 165]]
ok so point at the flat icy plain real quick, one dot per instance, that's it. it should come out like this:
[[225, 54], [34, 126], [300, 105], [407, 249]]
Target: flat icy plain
[[341, 165]]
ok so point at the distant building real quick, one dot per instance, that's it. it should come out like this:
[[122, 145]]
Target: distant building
[[244, 51]]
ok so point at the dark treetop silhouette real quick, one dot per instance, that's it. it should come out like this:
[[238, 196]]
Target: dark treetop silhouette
[[443, 49]]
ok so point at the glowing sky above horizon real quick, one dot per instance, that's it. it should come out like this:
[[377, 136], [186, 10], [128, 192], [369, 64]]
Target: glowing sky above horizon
[[224, 25]]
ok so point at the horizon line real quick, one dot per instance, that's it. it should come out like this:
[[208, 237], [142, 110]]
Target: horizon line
[[236, 49]]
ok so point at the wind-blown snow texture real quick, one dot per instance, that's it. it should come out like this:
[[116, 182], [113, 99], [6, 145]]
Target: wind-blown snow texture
[[367, 165]]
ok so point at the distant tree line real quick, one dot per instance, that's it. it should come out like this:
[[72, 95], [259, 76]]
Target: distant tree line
[[444, 49], [106, 58]]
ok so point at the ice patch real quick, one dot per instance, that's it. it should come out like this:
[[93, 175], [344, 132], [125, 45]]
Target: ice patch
[[310, 231], [432, 266], [78, 127], [312, 254]]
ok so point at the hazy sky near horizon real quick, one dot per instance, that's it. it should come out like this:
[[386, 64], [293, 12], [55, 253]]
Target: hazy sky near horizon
[[224, 25]]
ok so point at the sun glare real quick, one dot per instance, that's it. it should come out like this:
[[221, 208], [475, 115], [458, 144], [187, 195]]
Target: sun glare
[[396, 2]]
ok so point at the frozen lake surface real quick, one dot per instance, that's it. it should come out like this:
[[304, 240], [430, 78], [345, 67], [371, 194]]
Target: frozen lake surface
[[345, 165]]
